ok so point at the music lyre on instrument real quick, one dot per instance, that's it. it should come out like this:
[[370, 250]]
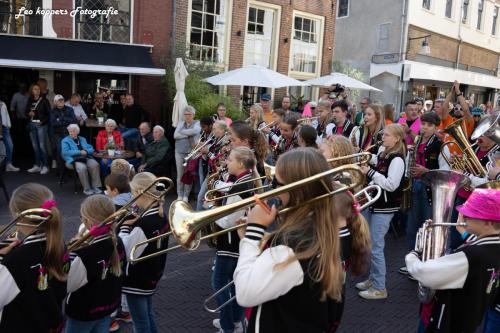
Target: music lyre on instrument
[[364, 194], [117, 218], [432, 237], [186, 224]]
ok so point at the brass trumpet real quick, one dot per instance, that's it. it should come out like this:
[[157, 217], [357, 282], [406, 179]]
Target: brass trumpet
[[36, 214], [306, 120], [469, 161], [196, 151], [364, 194], [118, 217], [186, 224]]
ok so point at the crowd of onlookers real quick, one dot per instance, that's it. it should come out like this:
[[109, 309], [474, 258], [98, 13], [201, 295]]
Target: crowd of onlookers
[[66, 135]]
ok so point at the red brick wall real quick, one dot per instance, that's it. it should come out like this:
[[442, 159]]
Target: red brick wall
[[63, 24]]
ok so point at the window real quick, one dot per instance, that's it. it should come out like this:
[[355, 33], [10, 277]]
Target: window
[[305, 45], [208, 30], [426, 4], [449, 9], [383, 37], [24, 25], [495, 21], [480, 7], [259, 36], [343, 10], [465, 11], [114, 28]]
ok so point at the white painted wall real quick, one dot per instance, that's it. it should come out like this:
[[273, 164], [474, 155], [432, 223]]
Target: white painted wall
[[436, 21]]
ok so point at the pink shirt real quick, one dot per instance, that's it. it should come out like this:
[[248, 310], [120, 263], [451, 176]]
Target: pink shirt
[[415, 128]]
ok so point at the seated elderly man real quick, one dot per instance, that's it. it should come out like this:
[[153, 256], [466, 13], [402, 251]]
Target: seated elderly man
[[75, 149], [155, 153]]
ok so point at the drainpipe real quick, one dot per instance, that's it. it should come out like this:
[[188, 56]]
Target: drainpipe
[[174, 15], [402, 51], [460, 41]]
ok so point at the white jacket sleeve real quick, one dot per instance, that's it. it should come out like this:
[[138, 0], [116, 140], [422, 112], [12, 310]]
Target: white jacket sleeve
[[256, 278], [9, 289], [394, 175], [230, 220], [447, 272], [77, 276]]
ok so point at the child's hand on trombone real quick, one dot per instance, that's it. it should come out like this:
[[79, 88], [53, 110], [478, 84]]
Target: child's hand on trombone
[[262, 214]]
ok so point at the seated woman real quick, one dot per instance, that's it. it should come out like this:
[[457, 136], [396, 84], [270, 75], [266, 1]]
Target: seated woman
[[75, 149], [107, 138], [156, 153]]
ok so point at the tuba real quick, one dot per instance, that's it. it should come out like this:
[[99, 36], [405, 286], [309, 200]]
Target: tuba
[[469, 161], [488, 127], [433, 235]]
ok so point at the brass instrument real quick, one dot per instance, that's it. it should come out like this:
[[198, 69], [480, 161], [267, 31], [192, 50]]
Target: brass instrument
[[433, 235], [271, 124], [211, 196], [307, 120], [407, 190], [36, 214], [160, 184], [469, 161], [362, 158], [488, 127], [196, 151], [186, 224], [364, 194]]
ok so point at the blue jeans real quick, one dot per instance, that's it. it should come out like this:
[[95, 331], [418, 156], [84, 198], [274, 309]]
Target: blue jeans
[[379, 225], [492, 321], [39, 135], [105, 166], [141, 310], [94, 326], [419, 212], [221, 276], [9, 146]]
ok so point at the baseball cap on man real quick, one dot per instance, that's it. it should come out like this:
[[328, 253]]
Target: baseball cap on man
[[58, 97], [482, 205], [477, 111], [265, 97]]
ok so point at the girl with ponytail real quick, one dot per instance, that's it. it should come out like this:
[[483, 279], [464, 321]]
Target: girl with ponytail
[[94, 279], [33, 270]]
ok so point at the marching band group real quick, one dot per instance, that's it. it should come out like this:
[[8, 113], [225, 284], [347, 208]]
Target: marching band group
[[284, 260]]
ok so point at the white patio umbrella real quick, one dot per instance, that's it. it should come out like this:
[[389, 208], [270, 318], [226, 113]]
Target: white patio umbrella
[[253, 76], [339, 78], [180, 101]]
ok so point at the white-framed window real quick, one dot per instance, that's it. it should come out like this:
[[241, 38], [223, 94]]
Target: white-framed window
[[343, 8], [495, 21], [426, 4], [383, 34], [114, 28], [305, 50], [24, 25], [260, 36], [207, 31], [480, 11], [465, 11], [448, 12]]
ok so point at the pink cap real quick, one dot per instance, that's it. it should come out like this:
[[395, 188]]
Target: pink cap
[[307, 111], [483, 204]]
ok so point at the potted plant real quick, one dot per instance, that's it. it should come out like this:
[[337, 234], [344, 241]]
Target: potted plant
[[111, 148], [100, 116]]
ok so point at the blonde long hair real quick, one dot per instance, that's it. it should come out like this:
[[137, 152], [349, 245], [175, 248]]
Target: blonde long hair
[[310, 230], [33, 195], [96, 209], [338, 146], [246, 156], [400, 146], [379, 116], [260, 116]]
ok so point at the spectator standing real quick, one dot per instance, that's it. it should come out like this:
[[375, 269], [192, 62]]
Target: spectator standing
[[411, 123], [133, 116], [265, 102], [365, 102], [7, 140], [221, 114], [38, 113], [186, 136], [60, 117]]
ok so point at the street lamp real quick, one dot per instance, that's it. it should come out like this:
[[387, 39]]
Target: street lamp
[[425, 49]]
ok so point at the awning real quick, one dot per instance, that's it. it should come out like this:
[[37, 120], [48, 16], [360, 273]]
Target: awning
[[423, 71], [76, 55]]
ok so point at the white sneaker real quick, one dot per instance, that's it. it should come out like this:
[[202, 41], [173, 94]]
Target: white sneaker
[[11, 168], [54, 164], [44, 171], [364, 285], [373, 293], [179, 197], [88, 192], [238, 326], [185, 199], [34, 169], [97, 190]]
